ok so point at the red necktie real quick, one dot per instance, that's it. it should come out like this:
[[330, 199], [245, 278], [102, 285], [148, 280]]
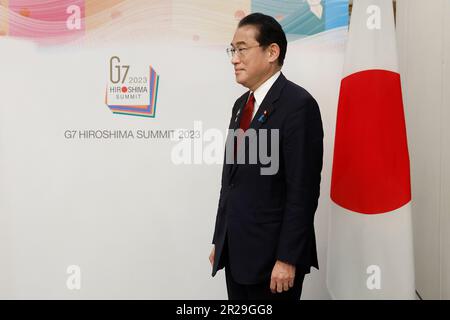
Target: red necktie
[[246, 119], [247, 113]]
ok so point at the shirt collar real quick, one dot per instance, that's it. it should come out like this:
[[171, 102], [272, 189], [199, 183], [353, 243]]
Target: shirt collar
[[262, 90]]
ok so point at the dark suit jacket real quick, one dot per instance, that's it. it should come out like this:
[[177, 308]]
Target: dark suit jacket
[[271, 217]]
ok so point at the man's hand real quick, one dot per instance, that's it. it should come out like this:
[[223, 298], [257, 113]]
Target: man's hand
[[211, 255], [282, 278]]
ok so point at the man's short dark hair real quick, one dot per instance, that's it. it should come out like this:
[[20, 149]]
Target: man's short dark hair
[[269, 31]]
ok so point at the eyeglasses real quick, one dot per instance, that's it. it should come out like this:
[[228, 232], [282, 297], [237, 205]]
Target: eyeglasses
[[239, 51]]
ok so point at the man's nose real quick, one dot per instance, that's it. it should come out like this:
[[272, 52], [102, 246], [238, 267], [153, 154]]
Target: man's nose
[[235, 59]]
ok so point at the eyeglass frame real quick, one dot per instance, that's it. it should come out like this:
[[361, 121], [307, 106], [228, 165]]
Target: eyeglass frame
[[231, 51]]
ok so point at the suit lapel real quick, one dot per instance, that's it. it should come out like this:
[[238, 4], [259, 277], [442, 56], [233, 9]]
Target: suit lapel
[[265, 110], [235, 122], [238, 116]]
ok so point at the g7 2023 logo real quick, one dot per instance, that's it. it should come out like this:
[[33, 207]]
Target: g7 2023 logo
[[131, 91]]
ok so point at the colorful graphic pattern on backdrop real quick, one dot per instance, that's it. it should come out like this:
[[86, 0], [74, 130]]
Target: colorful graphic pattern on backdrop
[[206, 21]]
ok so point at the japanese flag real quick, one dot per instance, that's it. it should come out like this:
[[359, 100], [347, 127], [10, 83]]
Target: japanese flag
[[370, 252]]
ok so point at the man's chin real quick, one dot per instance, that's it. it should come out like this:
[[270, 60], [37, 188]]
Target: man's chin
[[240, 80]]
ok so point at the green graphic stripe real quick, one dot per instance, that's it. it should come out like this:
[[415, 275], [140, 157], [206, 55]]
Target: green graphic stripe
[[156, 95]]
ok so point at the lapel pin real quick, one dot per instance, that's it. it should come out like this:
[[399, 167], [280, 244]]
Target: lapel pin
[[263, 117]]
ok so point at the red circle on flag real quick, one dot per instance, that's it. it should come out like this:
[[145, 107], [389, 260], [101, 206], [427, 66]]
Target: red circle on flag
[[371, 171]]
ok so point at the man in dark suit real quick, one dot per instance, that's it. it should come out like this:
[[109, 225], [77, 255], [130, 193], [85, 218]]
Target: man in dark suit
[[264, 232]]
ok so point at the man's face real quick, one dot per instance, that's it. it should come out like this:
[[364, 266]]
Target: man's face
[[252, 64]]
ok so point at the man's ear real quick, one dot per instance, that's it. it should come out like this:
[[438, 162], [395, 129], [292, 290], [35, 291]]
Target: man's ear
[[274, 52]]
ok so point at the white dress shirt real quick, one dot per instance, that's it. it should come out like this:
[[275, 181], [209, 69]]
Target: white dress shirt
[[261, 91]]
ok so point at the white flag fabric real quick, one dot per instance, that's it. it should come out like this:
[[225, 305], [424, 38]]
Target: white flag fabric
[[370, 252]]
